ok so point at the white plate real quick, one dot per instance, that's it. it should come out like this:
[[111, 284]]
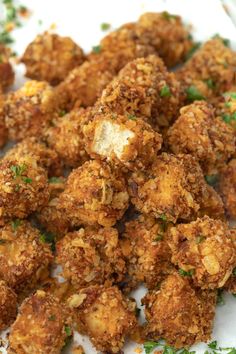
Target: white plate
[[81, 20]]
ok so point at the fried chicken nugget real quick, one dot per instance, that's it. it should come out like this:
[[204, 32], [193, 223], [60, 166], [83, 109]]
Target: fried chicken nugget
[[23, 188], [199, 133], [91, 256], [42, 326], [204, 248], [24, 259], [179, 313], [146, 250], [8, 305], [105, 315], [210, 71], [3, 128], [173, 186], [7, 75], [29, 110], [51, 57], [211, 204], [125, 141], [144, 88], [95, 194], [227, 187]]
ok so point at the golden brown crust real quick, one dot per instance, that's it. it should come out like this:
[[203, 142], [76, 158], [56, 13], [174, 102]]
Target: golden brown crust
[[7, 75], [42, 326], [179, 313], [50, 57], [225, 106], [205, 249], [3, 128], [8, 305], [227, 187]]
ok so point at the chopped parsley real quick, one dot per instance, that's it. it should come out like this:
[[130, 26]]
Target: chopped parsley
[[228, 118], [212, 179], [62, 113], [15, 223], [18, 170], [68, 331], [210, 83], [105, 26], [193, 94], [165, 91], [167, 16], [225, 41], [164, 348], [230, 94], [55, 180], [48, 237], [96, 49], [52, 318], [27, 179], [185, 273], [192, 50], [131, 117], [200, 239], [159, 237]]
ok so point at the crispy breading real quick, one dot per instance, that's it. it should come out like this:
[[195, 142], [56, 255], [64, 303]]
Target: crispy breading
[[3, 128], [7, 75], [179, 313], [50, 57], [105, 315], [205, 249], [173, 186], [125, 141], [146, 250], [227, 187], [30, 109], [24, 259], [42, 326], [95, 194], [8, 305], [91, 256], [199, 133], [211, 204], [23, 187], [225, 106]]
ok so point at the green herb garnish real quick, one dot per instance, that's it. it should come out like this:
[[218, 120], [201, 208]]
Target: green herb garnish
[[52, 318], [105, 26], [167, 16], [185, 273], [62, 113], [15, 223], [131, 117], [192, 50], [48, 237], [18, 170], [96, 49], [55, 180], [225, 41], [193, 94], [210, 83], [68, 331], [212, 179], [200, 239], [165, 91], [159, 237]]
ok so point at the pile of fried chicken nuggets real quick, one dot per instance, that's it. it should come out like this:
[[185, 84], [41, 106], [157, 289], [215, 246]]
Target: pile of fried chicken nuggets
[[142, 146]]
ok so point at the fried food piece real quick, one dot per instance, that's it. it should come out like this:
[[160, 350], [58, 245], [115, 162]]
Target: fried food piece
[[7, 75], [173, 187], [91, 256], [211, 204], [45, 157], [29, 110], [204, 248], [67, 139], [42, 326], [227, 187], [199, 133], [94, 194], [51, 57], [167, 34], [3, 128], [179, 313], [124, 141], [23, 188], [144, 88], [50, 216], [8, 305], [209, 72], [24, 259], [226, 107], [146, 250], [105, 315]]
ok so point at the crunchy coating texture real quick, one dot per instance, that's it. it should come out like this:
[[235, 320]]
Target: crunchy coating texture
[[23, 188], [3, 128], [124, 141], [94, 194], [211, 204], [29, 110], [146, 250], [24, 259], [227, 187], [105, 315], [179, 313], [144, 88], [50, 57], [8, 305], [225, 106], [214, 62], [173, 186], [45, 157], [7, 75], [205, 248], [42, 326], [199, 133], [91, 256], [67, 139]]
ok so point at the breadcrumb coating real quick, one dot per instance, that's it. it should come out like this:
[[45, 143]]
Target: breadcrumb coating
[[125, 141], [225, 106], [8, 305], [199, 133], [227, 187], [204, 249], [173, 187], [23, 188], [146, 251], [3, 128], [91, 256], [51, 57], [105, 315], [179, 313], [7, 75], [24, 259], [42, 326], [95, 194], [211, 204]]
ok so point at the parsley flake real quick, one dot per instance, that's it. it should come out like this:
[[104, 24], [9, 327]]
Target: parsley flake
[[105, 26], [68, 331], [192, 50], [167, 16], [193, 94], [185, 273], [200, 239], [96, 49], [131, 117], [165, 91], [55, 180], [15, 223]]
